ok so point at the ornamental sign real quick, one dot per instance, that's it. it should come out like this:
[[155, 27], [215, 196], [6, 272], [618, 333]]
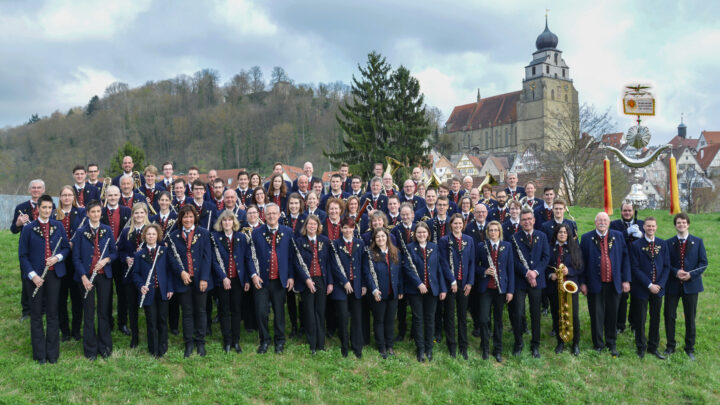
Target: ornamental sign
[[638, 100]]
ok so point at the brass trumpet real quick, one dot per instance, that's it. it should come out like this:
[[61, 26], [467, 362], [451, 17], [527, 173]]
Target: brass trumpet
[[137, 183], [566, 289], [103, 191]]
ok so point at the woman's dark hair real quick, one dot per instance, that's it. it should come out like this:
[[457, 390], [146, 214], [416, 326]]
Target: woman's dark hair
[[392, 250], [573, 248], [188, 209]]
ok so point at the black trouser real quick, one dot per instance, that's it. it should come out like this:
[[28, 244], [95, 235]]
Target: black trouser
[[602, 307], [131, 297], [689, 302], [402, 316], [69, 288], [174, 312], [474, 307], [367, 301], [491, 299], [25, 294], [99, 342], [211, 296], [622, 313], [652, 342], [156, 317], [440, 317], [194, 317], [423, 320], [230, 310], [272, 293], [452, 301], [248, 309], [517, 311], [45, 344], [554, 307], [314, 305], [118, 271], [292, 309], [384, 313], [350, 309]]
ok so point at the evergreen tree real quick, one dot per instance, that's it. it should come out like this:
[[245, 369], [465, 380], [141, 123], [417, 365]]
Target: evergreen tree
[[366, 120], [137, 154], [93, 105], [410, 127], [33, 119]]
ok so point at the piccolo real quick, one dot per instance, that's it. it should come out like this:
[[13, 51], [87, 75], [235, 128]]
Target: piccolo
[[92, 277]]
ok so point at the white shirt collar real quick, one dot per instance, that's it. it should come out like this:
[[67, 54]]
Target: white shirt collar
[[601, 234]]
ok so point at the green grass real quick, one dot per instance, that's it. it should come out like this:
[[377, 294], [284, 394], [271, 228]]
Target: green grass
[[133, 376]]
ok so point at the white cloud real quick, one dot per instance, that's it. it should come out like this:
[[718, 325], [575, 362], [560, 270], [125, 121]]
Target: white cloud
[[244, 17], [87, 82], [82, 20]]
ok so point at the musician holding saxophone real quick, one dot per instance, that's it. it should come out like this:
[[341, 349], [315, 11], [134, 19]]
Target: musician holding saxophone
[[566, 265], [496, 286]]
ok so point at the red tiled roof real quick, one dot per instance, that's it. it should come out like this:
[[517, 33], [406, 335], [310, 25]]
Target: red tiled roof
[[711, 137], [326, 175], [612, 139], [707, 154], [293, 172], [487, 112], [475, 161], [679, 142]]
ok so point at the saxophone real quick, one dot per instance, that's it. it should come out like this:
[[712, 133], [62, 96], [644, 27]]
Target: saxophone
[[565, 311]]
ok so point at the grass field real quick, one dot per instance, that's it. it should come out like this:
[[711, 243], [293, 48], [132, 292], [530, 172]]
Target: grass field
[[132, 376]]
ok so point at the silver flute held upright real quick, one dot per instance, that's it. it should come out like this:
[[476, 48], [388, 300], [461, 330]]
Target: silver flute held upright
[[175, 253], [45, 270], [149, 277], [407, 253], [218, 257], [496, 276], [92, 277], [299, 257], [520, 254], [337, 260], [253, 254], [371, 265]]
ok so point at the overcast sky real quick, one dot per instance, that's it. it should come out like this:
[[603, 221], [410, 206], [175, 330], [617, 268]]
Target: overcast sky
[[58, 54]]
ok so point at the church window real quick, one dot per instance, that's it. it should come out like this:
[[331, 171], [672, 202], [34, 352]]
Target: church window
[[556, 59], [533, 71], [547, 69], [563, 72]]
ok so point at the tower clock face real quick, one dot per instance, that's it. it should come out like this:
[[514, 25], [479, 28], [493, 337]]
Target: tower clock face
[[638, 136]]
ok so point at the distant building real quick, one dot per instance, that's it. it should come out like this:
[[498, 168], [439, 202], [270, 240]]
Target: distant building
[[540, 115]]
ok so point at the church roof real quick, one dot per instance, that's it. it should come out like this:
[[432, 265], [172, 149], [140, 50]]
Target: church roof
[[488, 112], [546, 40]]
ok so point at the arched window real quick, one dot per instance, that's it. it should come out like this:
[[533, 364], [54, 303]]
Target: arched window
[[547, 69], [533, 71], [563, 72], [556, 58]]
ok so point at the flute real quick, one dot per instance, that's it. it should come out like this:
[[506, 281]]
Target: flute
[[218, 257], [407, 253], [299, 256], [253, 254], [92, 277], [496, 276], [47, 267], [337, 259], [372, 269], [147, 281]]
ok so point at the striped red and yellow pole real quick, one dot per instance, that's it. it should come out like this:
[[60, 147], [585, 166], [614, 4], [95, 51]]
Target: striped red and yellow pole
[[674, 193], [607, 187]]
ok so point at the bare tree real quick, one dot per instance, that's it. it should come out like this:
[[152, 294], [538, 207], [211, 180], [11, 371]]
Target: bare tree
[[257, 83]]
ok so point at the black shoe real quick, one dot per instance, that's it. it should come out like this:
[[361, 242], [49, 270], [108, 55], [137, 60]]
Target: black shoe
[[237, 348], [175, 332], [52, 361], [614, 352], [668, 351], [453, 354], [226, 348], [92, 358], [575, 350], [559, 348], [553, 333], [358, 355], [429, 355], [76, 336], [23, 317], [41, 361], [657, 354], [517, 352], [65, 337], [463, 353], [598, 349], [279, 348], [536, 353], [691, 355], [134, 342], [293, 333], [640, 353], [262, 348], [476, 332], [201, 350], [384, 354], [105, 354], [420, 356], [312, 352], [390, 351], [124, 329], [498, 357], [485, 355], [400, 338], [188, 350], [344, 351]]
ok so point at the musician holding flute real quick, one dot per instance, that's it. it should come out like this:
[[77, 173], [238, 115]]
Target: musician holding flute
[[93, 252], [42, 248], [495, 280], [151, 277]]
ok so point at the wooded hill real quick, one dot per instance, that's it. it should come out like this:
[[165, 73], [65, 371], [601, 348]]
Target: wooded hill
[[189, 120]]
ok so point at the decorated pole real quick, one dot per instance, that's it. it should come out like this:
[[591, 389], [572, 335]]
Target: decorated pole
[[607, 187], [674, 194]]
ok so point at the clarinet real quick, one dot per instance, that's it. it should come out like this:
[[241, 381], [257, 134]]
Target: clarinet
[[177, 256], [217, 255], [407, 253], [496, 276], [299, 256], [92, 277], [45, 270], [520, 254], [337, 259], [147, 280], [452, 264], [372, 268], [253, 254]]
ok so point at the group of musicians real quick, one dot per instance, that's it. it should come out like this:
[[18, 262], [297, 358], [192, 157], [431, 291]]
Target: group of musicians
[[171, 246]]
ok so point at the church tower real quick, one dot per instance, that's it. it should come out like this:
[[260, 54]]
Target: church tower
[[547, 110]]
